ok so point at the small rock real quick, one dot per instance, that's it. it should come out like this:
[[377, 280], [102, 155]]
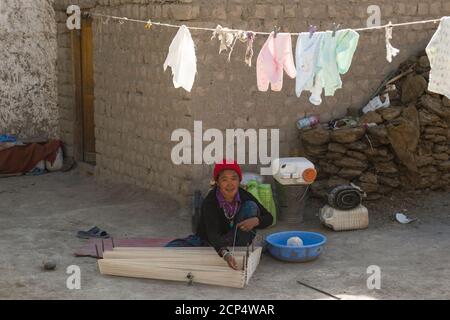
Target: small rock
[[436, 130], [386, 167], [389, 113], [329, 168], [378, 159], [49, 264], [440, 156], [317, 136], [413, 87], [336, 181], [349, 173], [336, 147], [379, 133], [369, 177], [383, 189], [347, 162], [368, 187], [358, 146], [438, 139], [446, 102], [373, 196], [439, 148], [371, 117], [424, 62], [427, 170], [313, 150], [423, 160], [358, 155], [434, 105], [333, 155], [426, 118], [347, 135], [391, 182]]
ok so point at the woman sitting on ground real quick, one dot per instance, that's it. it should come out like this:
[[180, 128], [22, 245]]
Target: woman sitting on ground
[[229, 215]]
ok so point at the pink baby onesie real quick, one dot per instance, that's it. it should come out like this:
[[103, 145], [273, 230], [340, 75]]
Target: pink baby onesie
[[275, 55]]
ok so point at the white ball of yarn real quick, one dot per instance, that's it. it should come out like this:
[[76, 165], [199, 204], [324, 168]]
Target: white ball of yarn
[[295, 242]]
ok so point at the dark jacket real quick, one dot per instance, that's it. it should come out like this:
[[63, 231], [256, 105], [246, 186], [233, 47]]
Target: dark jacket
[[213, 224]]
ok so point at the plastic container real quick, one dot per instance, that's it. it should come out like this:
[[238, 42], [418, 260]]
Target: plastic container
[[293, 171], [341, 220], [313, 244], [308, 122]]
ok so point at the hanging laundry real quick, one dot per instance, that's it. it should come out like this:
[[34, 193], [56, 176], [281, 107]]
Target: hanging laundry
[[334, 58], [228, 39], [390, 50], [249, 50], [306, 55], [244, 36], [438, 51], [274, 57], [225, 36], [182, 59]]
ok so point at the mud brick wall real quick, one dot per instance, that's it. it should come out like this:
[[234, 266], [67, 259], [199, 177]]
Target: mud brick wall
[[137, 108], [28, 47]]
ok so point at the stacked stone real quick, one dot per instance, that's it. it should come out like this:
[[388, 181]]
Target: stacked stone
[[408, 148]]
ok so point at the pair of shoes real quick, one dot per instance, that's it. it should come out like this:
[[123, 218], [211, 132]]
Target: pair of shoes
[[94, 232]]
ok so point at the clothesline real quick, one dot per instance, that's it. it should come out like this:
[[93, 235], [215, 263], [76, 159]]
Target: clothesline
[[322, 57], [123, 19]]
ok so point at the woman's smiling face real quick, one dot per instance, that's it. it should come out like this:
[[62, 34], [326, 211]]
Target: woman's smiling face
[[228, 183]]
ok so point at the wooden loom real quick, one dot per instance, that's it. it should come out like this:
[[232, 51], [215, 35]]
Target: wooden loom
[[187, 264]]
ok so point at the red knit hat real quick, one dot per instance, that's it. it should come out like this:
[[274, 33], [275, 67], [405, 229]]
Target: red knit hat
[[227, 165]]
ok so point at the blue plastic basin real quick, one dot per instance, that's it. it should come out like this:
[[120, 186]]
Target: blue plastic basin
[[313, 243]]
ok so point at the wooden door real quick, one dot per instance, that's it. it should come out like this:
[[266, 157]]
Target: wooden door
[[82, 53]]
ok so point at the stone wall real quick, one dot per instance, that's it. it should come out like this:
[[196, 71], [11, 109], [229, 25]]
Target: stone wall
[[137, 108], [404, 145], [28, 68]]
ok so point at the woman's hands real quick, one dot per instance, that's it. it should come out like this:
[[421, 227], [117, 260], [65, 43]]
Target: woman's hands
[[228, 257], [248, 224]]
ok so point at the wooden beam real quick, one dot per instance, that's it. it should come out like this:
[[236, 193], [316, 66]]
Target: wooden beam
[[119, 267]]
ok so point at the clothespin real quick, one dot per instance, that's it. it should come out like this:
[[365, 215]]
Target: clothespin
[[312, 29], [335, 28], [275, 31], [148, 25], [106, 21]]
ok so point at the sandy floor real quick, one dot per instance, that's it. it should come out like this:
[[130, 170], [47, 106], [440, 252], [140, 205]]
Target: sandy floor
[[39, 217]]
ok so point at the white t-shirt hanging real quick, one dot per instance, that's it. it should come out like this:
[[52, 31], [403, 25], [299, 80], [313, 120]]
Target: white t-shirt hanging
[[182, 59], [438, 51]]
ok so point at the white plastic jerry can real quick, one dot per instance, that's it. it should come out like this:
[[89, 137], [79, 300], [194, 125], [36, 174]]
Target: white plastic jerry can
[[293, 171]]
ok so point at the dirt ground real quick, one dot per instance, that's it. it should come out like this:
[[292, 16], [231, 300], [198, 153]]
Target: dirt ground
[[39, 217]]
